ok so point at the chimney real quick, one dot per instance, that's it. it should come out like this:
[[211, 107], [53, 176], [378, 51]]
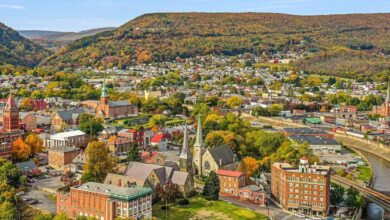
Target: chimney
[[220, 162]]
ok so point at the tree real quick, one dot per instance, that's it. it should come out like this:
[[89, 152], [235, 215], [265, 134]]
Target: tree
[[61, 216], [211, 188], [98, 162], [354, 199], [157, 121], [336, 194], [90, 124], [35, 143], [234, 101], [275, 109], [248, 166], [8, 211], [26, 105], [133, 153], [20, 149]]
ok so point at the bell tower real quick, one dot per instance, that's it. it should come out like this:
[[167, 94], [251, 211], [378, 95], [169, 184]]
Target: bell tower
[[199, 147], [10, 115], [104, 95]]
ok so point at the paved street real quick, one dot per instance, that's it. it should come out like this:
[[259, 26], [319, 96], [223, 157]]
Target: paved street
[[275, 212], [44, 202]]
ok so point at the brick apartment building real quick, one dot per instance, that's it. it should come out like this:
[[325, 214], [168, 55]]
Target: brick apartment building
[[59, 157], [305, 189], [232, 183], [106, 202]]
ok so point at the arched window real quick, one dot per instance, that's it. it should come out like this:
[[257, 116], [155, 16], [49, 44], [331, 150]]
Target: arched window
[[207, 165]]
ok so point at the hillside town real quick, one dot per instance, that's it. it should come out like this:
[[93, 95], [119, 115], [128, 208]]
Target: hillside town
[[140, 142]]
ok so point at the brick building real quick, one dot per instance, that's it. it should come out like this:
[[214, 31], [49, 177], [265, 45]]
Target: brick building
[[305, 189], [65, 119], [106, 202], [11, 127], [384, 109], [59, 157], [230, 181]]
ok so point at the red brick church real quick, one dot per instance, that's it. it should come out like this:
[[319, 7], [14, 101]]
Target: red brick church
[[11, 129], [111, 109], [384, 109]]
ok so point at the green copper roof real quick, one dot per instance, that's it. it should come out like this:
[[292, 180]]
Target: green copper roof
[[199, 136], [104, 88]]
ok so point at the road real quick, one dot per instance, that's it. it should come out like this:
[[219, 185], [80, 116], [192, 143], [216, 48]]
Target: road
[[274, 211]]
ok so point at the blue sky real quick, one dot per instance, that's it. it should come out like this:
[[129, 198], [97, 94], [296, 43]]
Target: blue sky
[[76, 15]]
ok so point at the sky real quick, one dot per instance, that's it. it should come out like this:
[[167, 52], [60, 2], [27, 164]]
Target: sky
[[77, 15]]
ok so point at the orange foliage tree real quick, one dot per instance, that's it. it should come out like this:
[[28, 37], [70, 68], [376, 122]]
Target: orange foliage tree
[[248, 166], [35, 143], [20, 149]]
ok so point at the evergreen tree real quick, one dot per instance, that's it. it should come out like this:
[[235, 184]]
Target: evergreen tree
[[336, 194], [133, 153], [211, 188]]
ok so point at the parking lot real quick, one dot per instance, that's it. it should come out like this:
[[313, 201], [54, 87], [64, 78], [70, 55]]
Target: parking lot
[[45, 200]]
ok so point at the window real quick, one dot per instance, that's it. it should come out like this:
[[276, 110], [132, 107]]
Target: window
[[207, 165]]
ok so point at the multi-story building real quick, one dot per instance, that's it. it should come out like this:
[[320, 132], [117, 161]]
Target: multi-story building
[[59, 157], [305, 189], [384, 109], [230, 181], [106, 202], [66, 119], [67, 139]]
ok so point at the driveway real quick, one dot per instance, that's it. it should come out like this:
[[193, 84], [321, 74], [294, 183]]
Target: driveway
[[273, 211], [46, 200], [51, 184]]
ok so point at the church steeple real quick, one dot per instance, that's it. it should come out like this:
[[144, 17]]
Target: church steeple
[[199, 148], [199, 135], [104, 95], [185, 156]]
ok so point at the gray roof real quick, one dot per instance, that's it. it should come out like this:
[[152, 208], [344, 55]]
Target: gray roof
[[314, 140], [179, 177], [253, 188], [125, 193], [70, 113], [303, 131], [26, 166], [141, 171], [118, 103], [222, 154]]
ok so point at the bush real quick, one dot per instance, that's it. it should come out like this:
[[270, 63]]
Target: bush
[[164, 207], [183, 202]]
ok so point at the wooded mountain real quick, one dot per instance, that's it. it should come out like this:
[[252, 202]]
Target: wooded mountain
[[54, 39], [17, 50]]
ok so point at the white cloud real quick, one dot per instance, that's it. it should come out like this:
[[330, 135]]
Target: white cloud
[[11, 6]]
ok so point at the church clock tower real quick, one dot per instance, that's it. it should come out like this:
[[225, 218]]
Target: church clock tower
[[10, 115]]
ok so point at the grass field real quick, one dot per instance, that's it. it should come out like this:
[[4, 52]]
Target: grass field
[[365, 173], [200, 208]]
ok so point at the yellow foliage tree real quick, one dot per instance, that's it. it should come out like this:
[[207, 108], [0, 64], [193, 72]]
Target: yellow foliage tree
[[20, 149], [35, 143], [249, 166], [234, 101]]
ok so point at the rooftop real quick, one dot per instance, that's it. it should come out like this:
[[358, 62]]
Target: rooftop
[[67, 134], [229, 173]]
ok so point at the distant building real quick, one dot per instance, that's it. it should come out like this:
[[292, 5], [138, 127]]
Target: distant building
[[152, 94], [305, 189], [319, 145], [303, 131], [106, 202], [65, 119], [113, 109]]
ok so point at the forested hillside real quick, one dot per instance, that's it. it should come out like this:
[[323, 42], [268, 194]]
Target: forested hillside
[[16, 50]]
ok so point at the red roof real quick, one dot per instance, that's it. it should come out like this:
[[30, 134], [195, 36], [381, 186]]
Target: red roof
[[157, 138], [148, 157], [230, 173]]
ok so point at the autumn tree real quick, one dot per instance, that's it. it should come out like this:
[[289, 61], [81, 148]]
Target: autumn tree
[[26, 105], [234, 101], [90, 124], [20, 149], [157, 121], [98, 162], [35, 143], [249, 166]]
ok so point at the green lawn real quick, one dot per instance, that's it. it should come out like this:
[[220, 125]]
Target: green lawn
[[365, 173], [200, 208]]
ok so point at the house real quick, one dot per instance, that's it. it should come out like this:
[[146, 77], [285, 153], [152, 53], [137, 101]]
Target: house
[[28, 168], [59, 157], [105, 201], [253, 193], [159, 141], [150, 175], [119, 146], [66, 119], [28, 120]]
